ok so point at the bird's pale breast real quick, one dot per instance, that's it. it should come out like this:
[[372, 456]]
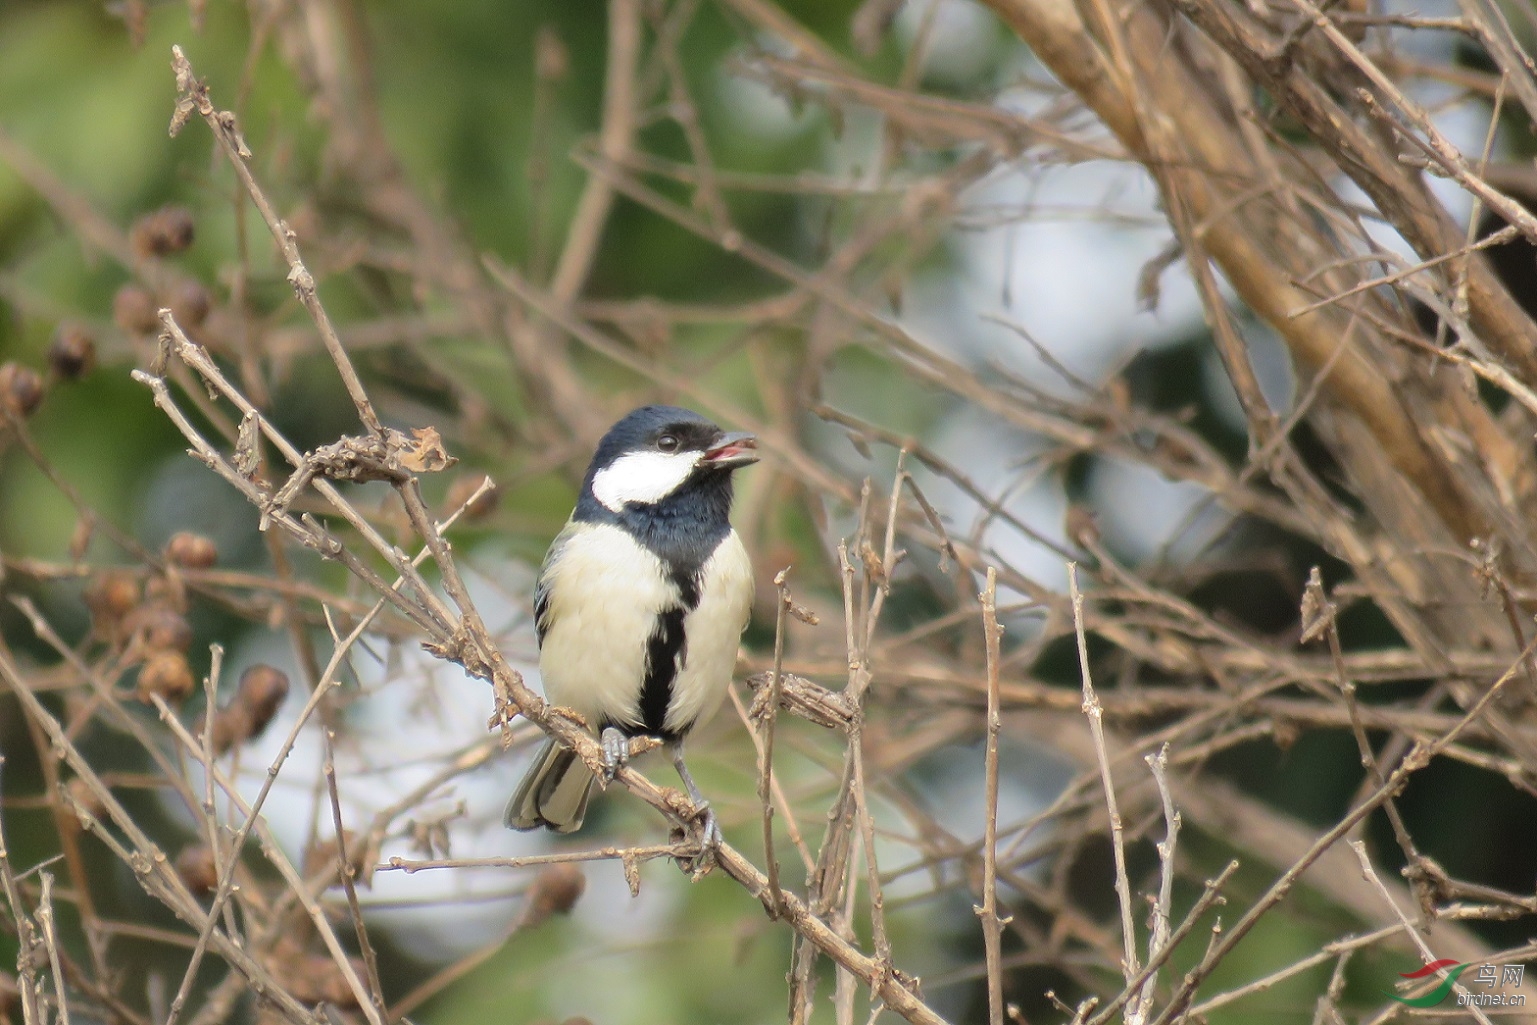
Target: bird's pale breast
[[714, 631], [593, 656]]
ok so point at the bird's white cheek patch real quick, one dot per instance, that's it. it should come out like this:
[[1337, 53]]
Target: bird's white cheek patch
[[642, 477]]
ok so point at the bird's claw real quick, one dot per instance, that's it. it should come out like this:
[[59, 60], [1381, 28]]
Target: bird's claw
[[616, 753], [711, 838], [703, 831]]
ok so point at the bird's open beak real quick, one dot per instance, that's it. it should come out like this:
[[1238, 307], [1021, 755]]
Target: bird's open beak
[[732, 450]]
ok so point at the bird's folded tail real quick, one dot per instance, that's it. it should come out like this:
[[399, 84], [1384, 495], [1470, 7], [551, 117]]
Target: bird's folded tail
[[553, 793]]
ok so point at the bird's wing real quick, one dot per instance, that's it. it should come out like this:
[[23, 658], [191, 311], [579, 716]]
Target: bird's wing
[[542, 611]]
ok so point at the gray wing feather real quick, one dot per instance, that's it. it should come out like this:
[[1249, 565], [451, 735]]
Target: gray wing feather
[[542, 618]]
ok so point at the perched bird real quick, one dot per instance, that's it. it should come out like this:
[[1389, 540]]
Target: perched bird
[[641, 602]]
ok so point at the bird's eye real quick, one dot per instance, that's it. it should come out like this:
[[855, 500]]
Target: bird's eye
[[667, 443]]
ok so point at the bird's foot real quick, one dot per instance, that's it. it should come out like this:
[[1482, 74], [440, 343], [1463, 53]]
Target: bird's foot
[[702, 833], [709, 845], [702, 825], [711, 837], [616, 753]]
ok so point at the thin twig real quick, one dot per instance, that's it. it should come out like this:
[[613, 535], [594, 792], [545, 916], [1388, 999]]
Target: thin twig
[[1369, 873], [26, 932], [1095, 715], [347, 870], [769, 717], [193, 97], [51, 944], [1158, 942], [992, 923]]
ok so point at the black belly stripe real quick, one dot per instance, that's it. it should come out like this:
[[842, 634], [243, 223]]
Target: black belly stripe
[[666, 652], [663, 656]]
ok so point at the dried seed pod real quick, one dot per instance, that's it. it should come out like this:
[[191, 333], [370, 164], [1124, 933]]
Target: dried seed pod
[[168, 230], [193, 551], [72, 353], [262, 691], [21, 388], [259, 695], [111, 595], [463, 489], [196, 867], [168, 630], [135, 310], [190, 302], [166, 673], [165, 588], [316, 979], [158, 627], [555, 891], [231, 725]]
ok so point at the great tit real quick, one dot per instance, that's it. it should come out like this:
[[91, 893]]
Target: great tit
[[641, 602]]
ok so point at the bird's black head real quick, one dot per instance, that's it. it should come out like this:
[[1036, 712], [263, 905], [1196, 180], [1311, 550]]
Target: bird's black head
[[664, 460]]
